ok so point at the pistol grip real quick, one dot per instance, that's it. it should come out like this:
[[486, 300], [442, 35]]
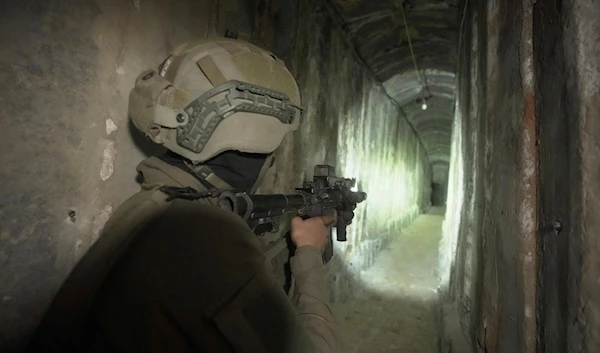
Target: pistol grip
[[341, 228]]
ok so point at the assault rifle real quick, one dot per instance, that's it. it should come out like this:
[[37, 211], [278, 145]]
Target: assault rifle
[[319, 197]]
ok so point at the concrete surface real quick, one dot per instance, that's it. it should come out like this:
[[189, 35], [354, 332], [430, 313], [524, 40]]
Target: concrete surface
[[518, 234], [397, 309], [378, 30], [582, 46], [460, 254], [567, 32], [68, 156], [69, 152], [560, 197], [493, 209]]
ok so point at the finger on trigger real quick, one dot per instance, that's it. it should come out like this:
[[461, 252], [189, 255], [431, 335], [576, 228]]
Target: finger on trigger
[[329, 218]]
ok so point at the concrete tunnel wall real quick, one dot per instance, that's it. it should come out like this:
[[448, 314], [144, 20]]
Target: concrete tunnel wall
[[492, 214], [519, 244], [69, 152], [569, 160], [387, 36]]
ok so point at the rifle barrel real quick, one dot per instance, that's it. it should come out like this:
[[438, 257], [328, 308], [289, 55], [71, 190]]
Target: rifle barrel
[[267, 205], [262, 203]]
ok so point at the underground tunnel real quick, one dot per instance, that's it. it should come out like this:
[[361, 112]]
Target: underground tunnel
[[472, 125]]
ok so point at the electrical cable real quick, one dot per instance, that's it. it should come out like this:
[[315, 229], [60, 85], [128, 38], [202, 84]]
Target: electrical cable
[[412, 53]]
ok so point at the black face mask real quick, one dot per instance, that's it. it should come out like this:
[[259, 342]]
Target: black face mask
[[238, 169]]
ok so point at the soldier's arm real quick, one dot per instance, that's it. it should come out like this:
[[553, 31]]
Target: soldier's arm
[[311, 298]]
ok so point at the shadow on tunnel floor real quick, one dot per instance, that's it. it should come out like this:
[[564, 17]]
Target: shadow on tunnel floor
[[376, 323], [394, 305]]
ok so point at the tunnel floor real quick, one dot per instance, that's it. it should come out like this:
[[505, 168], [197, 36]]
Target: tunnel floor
[[397, 310]]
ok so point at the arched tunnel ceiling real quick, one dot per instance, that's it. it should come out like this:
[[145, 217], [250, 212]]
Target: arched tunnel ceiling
[[377, 30]]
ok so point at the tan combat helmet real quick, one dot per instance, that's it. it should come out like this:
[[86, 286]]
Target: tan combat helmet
[[216, 95]]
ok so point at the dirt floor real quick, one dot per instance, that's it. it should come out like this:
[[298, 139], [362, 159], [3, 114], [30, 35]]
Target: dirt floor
[[397, 310]]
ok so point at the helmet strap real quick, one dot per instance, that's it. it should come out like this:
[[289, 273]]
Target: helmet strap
[[207, 177], [269, 162]]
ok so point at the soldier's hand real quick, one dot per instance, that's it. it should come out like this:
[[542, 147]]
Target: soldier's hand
[[312, 231]]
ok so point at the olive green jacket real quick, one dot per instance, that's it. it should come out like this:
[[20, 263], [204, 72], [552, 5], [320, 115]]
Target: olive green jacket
[[185, 276]]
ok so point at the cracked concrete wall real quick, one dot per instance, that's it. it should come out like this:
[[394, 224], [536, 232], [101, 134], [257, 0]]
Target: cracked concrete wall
[[582, 47], [381, 32], [69, 152], [560, 197], [505, 318], [460, 255], [491, 225], [567, 46], [525, 161]]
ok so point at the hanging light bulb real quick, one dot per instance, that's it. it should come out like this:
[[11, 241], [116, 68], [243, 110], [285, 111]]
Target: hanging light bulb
[[424, 106]]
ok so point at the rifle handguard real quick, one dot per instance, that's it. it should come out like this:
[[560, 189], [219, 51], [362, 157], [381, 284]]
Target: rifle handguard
[[323, 196]]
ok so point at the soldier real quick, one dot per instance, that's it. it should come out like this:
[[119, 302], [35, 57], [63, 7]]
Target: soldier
[[172, 271]]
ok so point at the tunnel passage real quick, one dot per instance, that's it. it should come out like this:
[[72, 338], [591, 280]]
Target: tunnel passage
[[68, 152], [388, 35], [411, 48]]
